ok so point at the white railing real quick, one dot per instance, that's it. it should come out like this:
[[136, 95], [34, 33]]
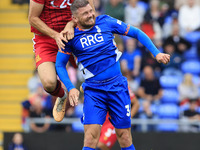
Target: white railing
[[183, 123]]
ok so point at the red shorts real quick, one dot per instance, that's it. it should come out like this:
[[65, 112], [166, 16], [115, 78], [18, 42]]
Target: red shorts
[[108, 135], [45, 49]]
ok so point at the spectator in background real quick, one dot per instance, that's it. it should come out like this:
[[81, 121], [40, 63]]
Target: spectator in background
[[147, 59], [40, 95], [173, 67], [98, 4], [192, 114], [151, 24], [187, 90], [189, 17], [134, 13], [170, 21], [181, 45], [133, 84], [43, 97], [115, 8], [33, 82], [198, 47], [37, 111], [131, 58], [150, 90], [146, 1], [17, 143], [179, 3]]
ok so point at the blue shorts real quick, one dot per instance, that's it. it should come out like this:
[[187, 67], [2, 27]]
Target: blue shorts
[[107, 96]]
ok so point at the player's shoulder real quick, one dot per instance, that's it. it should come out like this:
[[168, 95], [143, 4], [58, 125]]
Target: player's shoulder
[[102, 17]]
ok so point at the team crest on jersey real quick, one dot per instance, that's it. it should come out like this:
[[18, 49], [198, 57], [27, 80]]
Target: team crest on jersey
[[119, 22], [98, 29]]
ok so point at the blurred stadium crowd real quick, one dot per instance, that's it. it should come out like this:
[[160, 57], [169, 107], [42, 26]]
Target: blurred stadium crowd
[[169, 91]]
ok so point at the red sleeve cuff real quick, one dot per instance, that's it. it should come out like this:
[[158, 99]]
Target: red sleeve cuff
[[39, 1]]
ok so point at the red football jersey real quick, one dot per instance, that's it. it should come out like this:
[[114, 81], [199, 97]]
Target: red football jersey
[[56, 14]]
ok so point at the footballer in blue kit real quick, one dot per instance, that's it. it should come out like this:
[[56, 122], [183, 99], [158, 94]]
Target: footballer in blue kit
[[105, 89]]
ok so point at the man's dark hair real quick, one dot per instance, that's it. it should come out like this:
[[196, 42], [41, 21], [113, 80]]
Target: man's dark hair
[[78, 4]]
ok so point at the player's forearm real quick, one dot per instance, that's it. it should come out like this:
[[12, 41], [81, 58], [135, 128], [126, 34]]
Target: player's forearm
[[70, 24], [92, 4], [37, 23], [61, 62], [144, 39]]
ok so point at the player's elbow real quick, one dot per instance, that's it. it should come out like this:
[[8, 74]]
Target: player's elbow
[[32, 20]]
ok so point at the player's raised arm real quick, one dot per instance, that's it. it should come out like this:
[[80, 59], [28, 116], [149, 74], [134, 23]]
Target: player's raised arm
[[119, 27], [146, 41], [61, 61], [92, 4]]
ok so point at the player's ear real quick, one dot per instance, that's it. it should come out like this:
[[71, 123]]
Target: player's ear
[[74, 18]]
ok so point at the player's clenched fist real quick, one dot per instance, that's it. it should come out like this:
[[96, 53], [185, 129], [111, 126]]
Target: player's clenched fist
[[163, 58], [73, 97]]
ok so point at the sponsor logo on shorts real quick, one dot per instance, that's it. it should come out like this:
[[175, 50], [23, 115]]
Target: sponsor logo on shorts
[[37, 58]]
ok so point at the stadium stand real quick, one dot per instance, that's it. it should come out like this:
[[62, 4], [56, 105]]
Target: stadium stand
[[169, 81], [16, 59], [168, 111], [170, 96], [191, 66]]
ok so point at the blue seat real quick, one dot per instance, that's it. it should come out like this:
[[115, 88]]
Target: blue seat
[[144, 5], [191, 53], [78, 110], [170, 96], [169, 81], [193, 37], [168, 111], [196, 79], [168, 127], [77, 126], [191, 66]]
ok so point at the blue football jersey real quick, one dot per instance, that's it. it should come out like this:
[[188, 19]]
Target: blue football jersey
[[95, 48]]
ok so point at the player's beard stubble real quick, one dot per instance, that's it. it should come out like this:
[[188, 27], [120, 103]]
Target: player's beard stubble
[[88, 22]]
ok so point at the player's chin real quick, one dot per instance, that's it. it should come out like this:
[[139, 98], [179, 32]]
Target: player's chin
[[91, 22]]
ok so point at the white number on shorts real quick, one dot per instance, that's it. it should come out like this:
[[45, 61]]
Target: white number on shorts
[[128, 110]]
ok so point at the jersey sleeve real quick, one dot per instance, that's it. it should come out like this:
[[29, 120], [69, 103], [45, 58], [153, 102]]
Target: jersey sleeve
[[39, 1], [117, 26], [67, 50]]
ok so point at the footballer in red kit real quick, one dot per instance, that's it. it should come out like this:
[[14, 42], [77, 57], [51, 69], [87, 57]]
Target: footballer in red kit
[[51, 24], [56, 14]]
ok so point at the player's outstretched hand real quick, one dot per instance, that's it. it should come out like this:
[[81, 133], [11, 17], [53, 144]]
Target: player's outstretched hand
[[60, 37], [68, 31], [163, 58], [73, 97]]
